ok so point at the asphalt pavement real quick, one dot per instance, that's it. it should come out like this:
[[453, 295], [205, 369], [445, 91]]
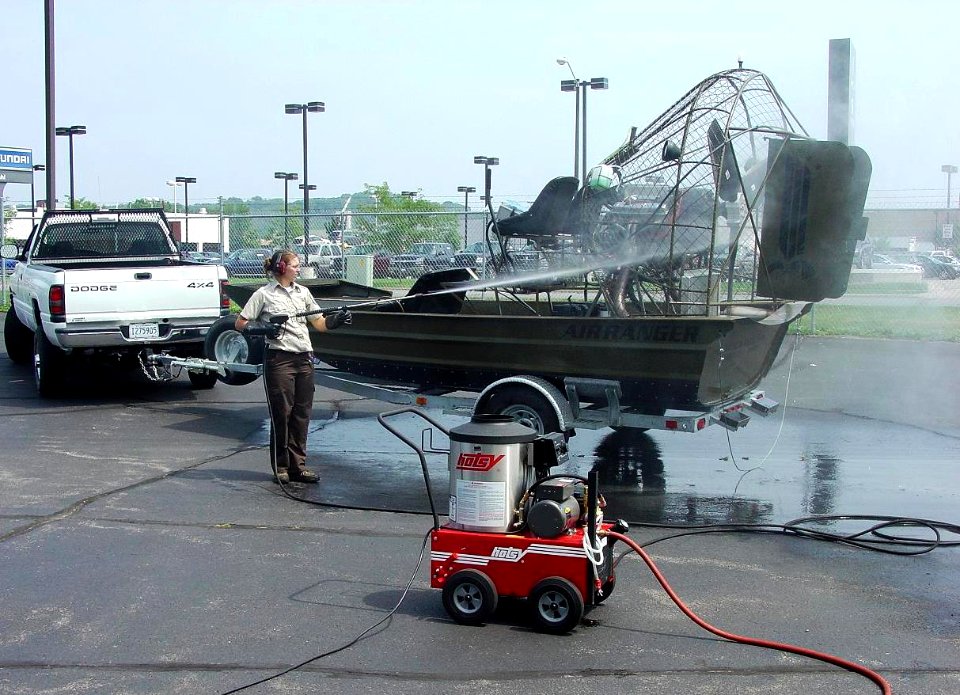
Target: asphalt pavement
[[144, 548]]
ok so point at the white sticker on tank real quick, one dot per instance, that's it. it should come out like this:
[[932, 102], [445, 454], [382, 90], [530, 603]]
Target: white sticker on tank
[[481, 504], [453, 508]]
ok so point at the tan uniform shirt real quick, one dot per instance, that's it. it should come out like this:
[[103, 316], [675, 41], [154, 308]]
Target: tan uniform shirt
[[272, 299]]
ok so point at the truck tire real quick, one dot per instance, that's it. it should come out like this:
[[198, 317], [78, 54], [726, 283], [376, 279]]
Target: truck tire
[[203, 380], [17, 338], [48, 366], [523, 404], [224, 343]]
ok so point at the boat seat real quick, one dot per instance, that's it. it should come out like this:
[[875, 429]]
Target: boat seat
[[546, 217]]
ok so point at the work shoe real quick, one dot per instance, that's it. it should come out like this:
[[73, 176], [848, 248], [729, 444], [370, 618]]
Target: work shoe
[[304, 475], [281, 477]]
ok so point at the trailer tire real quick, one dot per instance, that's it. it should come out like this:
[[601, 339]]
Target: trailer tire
[[48, 366], [557, 605], [17, 338], [523, 404], [224, 343], [469, 597]]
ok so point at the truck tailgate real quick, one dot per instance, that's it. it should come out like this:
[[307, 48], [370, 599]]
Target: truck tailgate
[[124, 294]]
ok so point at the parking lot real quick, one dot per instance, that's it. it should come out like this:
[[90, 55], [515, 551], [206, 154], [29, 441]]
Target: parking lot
[[144, 549]]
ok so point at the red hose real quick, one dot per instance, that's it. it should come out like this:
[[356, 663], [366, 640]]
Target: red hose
[[782, 646]]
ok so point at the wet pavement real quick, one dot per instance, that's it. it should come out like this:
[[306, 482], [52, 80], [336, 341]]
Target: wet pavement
[[143, 548]]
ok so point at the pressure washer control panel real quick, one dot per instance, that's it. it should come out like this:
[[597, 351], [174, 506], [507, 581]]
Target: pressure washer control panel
[[550, 450]]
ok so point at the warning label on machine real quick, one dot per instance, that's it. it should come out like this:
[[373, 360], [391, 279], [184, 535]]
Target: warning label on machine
[[481, 503]]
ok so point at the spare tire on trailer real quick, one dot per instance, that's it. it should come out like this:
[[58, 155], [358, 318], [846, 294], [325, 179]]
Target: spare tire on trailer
[[224, 343]]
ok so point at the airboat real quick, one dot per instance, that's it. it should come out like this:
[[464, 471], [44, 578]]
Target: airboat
[[673, 270]]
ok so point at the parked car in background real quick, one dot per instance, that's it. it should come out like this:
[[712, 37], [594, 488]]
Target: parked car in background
[[422, 258], [320, 256], [381, 259], [203, 256], [883, 262], [476, 256], [932, 267], [246, 263]]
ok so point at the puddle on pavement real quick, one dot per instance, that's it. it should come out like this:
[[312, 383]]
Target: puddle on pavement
[[810, 464]]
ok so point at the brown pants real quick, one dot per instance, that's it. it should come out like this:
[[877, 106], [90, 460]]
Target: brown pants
[[290, 387]]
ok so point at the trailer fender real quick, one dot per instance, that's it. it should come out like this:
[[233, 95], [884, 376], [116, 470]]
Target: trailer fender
[[532, 391]]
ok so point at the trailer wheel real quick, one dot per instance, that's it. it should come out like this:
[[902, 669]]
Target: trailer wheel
[[224, 343], [48, 366], [469, 597], [525, 405], [17, 338], [557, 605]]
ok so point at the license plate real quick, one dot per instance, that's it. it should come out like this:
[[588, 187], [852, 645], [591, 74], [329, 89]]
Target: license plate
[[144, 331]]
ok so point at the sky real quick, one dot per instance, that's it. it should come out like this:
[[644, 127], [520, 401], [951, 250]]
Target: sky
[[415, 88]]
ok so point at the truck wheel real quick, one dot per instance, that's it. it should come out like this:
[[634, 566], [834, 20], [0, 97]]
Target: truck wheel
[[224, 343], [48, 366], [523, 404], [203, 380], [469, 597], [18, 339], [557, 605]]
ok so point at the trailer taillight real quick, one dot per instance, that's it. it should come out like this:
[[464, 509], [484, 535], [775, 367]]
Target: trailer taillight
[[58, 305], [224, 299]]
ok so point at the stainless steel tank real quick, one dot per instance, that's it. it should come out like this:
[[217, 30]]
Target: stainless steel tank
[[491, 467]]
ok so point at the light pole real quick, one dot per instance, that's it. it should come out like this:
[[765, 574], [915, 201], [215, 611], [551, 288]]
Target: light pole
[[949, 170], [175, 185], [69, 132], [576, 85], [186, 181], [287, 178], [311, 107], [33, 195], [571, 86], [466, 190]]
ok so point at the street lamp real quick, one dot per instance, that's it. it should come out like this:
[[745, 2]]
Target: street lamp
[[949, 170], [186, 181], [466, 190], [33, 195], [576, 86], [175, 186], [309, 107], [70, 132], [287, 178]]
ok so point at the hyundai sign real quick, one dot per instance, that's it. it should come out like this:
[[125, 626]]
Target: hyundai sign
[[16, 165]]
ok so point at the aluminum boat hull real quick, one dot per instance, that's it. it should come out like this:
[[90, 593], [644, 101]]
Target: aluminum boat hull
[[661, 363]]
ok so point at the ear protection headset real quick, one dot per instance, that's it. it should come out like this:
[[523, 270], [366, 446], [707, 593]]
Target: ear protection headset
[[277, 263]]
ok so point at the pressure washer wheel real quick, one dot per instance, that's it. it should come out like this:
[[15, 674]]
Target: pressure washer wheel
[[557, 605], [469, 597]]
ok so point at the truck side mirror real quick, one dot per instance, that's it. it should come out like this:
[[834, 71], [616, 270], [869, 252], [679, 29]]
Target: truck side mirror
[[9, 251]]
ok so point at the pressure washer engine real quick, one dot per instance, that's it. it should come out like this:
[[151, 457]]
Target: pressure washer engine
[[516, 531]]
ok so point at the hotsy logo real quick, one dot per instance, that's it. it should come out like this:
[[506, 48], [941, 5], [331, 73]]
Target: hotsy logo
[[478, 462]]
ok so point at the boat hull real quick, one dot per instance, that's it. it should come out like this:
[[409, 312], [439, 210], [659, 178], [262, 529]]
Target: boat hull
[[661, 363]]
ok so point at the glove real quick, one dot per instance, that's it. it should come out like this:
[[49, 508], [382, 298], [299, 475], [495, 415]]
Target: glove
[[262, 328], [341, 318]]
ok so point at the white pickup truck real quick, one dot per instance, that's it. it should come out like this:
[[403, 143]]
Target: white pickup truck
[[111, 283]]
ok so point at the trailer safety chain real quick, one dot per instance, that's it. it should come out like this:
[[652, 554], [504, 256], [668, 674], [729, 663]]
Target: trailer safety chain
[[154, 371]]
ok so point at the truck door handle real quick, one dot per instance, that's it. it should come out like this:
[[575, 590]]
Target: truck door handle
[[143, 276]]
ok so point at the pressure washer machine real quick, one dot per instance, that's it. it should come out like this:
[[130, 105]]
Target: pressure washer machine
[[514, 530]]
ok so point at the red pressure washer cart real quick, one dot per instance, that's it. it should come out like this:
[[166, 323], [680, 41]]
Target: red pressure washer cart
[[513, 529]]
